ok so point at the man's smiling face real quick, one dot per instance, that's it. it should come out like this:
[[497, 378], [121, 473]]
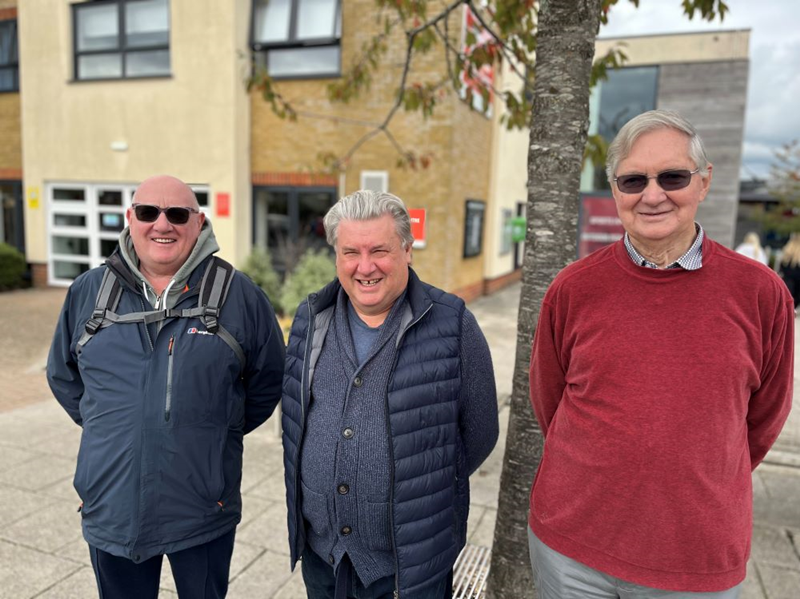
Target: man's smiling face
[[162, 247], [372, 265]]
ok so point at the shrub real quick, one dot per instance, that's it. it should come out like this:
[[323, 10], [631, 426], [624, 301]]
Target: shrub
[[314, 270], [258, 266], [12, 267]]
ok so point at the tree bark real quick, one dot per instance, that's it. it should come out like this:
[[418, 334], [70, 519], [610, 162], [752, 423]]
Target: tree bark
[[564, 53]]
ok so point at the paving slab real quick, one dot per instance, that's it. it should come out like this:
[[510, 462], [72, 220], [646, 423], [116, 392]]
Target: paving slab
[[780, 583], [47, 529], [265, 577], [773, 546], [268, 530], [79, 585], [26, 572]]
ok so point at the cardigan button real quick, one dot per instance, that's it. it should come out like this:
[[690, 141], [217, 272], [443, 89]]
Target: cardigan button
[[346, 530], [343, 489], [358, 381], [348, 433]]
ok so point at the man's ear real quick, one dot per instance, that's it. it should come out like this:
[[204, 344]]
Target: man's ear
[[706, 182]]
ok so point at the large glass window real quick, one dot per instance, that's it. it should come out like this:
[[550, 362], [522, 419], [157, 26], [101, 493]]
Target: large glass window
[[116, 39], [288, 221], [626, 93], [9, 59], [297, 38]]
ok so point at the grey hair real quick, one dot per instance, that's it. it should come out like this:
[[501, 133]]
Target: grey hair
[[367, 205], [649, 121]]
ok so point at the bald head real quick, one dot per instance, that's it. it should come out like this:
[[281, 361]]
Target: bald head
[[165, 186], [163, 246]]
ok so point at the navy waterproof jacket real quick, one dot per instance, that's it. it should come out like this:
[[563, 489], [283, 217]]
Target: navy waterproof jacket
[[429, 491], [163, 412]]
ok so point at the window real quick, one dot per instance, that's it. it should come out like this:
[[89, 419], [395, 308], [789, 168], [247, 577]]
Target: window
[[84, 223], [121, 39], [12, 230], [9, 59], [626, 93], [288, 221], [297, 38], [473, 227], [375, 180]]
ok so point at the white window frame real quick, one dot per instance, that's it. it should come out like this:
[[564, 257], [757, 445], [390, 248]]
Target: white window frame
[[384, 175], [90, 209]]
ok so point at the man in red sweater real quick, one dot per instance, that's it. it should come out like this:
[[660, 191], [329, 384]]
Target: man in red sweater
[[661, 375]]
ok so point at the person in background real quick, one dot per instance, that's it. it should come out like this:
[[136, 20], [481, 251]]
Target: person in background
[[389, 404], [790, 267], [164, 392], [751, 247], [661, 374]]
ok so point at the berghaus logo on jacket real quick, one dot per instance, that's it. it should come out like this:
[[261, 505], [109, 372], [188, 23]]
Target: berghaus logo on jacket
[[196, 331]]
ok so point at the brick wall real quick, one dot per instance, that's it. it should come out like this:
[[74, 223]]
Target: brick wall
[[10, 135], [456, 140]]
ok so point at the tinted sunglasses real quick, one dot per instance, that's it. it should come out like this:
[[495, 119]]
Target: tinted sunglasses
[[176, 215], [667, 180]]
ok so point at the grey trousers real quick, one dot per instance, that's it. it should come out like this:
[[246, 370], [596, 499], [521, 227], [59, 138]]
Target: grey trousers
[[558, 577]]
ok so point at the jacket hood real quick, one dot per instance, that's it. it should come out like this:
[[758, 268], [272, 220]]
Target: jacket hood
[[205, 246]]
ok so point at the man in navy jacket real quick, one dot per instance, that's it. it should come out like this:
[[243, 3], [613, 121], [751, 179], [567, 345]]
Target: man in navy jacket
[[389, 404], [164, 392]]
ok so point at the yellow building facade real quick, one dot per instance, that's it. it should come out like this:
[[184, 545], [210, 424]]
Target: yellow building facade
[[115, 91]]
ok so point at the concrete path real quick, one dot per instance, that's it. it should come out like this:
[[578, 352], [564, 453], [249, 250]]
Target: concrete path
[[42, 554]]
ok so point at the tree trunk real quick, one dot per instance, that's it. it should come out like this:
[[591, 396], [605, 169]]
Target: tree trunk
[[564, 53]]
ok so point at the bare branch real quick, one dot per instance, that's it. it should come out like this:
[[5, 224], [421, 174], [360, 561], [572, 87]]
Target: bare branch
[[507, 52]]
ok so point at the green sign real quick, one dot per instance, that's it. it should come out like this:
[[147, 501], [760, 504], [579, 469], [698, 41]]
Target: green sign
[[518, 226]]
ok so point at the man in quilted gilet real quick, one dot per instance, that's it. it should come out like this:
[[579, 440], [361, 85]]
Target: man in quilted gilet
[[389, 405]]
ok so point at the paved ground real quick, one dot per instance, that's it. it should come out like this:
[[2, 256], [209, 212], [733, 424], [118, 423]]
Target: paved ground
[[42, 554]]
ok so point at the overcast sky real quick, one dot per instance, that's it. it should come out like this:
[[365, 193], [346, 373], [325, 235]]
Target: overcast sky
[[773, 92]]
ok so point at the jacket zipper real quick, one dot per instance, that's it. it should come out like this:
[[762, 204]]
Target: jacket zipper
[[168, 405], [402, 334]]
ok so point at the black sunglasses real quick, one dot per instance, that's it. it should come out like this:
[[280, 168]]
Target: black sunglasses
[[667, 180], [147, 213]]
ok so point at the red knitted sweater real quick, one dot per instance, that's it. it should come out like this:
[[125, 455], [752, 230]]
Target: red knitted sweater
[[658, 392]]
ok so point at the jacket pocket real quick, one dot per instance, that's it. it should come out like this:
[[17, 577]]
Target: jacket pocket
[[316, 510], [374, 524]]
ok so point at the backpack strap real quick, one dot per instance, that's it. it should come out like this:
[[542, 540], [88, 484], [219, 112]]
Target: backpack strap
[[214, 287], [108, 297]]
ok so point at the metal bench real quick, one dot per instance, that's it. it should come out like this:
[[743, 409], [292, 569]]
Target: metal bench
[[470, 572]]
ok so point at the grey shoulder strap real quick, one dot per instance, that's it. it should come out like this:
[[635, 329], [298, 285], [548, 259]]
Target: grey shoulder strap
[[214, 287]]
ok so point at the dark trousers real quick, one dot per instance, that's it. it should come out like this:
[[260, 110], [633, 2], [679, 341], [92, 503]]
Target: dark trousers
[[200, 572], [322, 583]]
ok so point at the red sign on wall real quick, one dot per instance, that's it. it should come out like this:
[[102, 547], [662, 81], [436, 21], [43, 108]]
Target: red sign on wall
[[418, 226], [599, 226], [223, 204]]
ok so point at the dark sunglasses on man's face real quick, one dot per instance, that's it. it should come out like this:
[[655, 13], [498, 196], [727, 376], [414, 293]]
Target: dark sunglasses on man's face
[[667, 180], [176, 215]]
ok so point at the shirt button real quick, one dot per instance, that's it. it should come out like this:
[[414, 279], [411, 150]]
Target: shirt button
[[346, 530], [358, 381], [343, 489], [331, 561], [348, 433]]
